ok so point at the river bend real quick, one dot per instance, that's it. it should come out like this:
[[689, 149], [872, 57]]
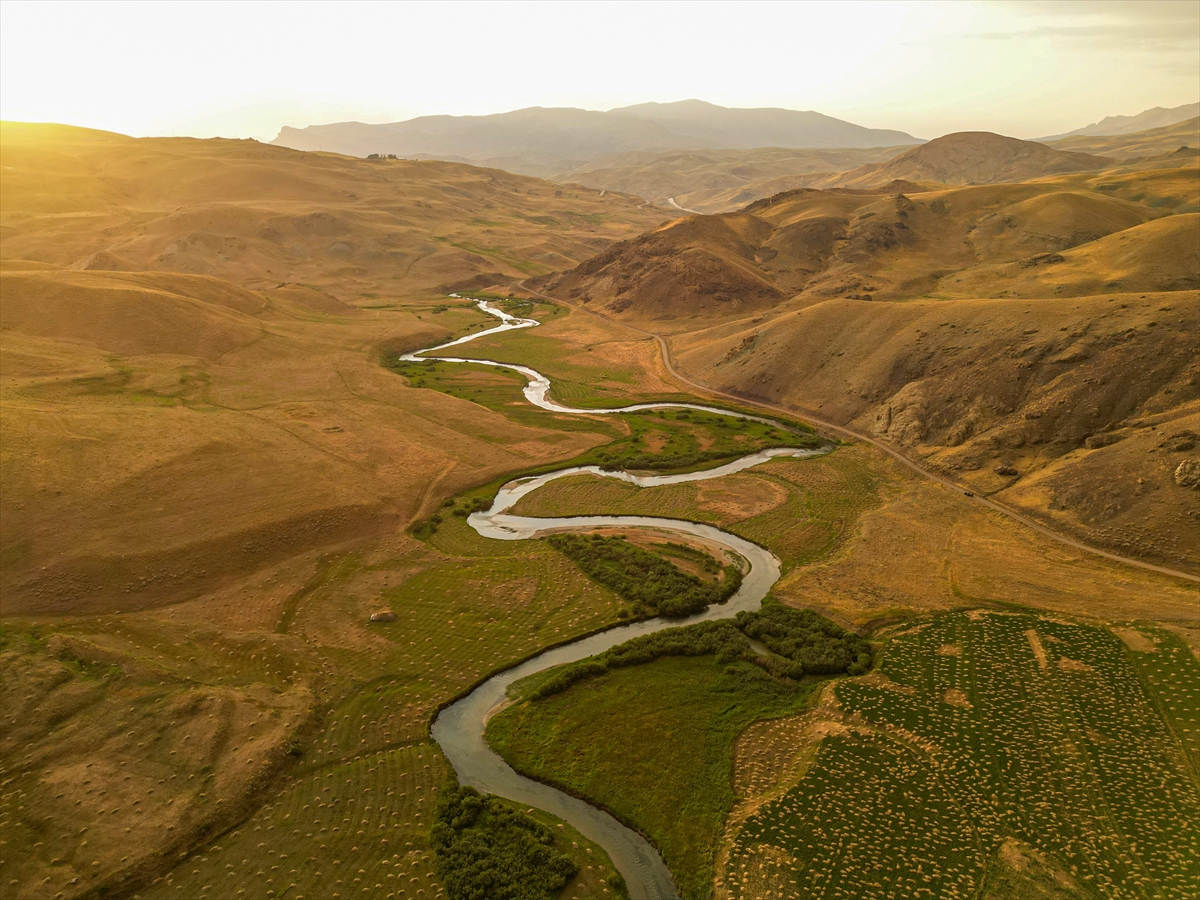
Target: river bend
[[459, 728]]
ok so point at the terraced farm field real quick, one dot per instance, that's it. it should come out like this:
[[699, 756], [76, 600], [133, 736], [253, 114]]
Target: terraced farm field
[[1011, 753]]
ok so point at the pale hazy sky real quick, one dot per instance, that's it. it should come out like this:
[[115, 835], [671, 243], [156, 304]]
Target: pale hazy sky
[[1022, 68]]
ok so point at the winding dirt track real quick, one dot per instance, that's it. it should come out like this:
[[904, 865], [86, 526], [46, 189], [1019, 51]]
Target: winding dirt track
[[891, 451]]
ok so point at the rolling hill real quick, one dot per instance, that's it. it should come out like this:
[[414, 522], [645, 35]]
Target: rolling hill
[[545, 142], [971, 157], [717, 181], [165, 303], [714, 181], [201, 446], [807, 245], [1044, 330], [257, 215]]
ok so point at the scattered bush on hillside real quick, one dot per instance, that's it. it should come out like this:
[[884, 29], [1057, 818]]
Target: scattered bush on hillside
[[801, 643], [653, 585], [486, 850]]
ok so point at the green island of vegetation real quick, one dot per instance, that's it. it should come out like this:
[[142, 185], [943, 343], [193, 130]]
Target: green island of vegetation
[[682, 439], [652, 584], [486, 849], [676, 701]]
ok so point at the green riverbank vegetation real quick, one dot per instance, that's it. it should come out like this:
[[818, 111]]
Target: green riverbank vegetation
[[648, 728], [995, 754], [646, 580], [486, 849]]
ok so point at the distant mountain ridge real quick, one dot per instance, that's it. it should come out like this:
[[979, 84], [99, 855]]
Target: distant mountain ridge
[[1158, 117], [1154, 142], [540, 141]]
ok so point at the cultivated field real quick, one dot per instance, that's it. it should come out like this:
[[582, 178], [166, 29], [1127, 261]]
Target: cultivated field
[[1013, 753]]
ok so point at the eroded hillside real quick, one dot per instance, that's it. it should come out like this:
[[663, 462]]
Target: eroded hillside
[[1036, 340]]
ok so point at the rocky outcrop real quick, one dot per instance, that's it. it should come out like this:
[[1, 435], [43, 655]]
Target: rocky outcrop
[[1187, 474]]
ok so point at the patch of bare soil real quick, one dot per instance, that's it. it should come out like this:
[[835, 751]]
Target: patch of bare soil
[[740, 497], [1073, 665], [509, 595], [1136, 640], [957, 698], [771, 757], [1035, 642]]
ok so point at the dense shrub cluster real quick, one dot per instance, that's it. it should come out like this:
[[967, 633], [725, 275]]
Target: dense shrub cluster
[[696, 458], [653, 585], [486, 850], [701, 639], [806, 639], [802, 643]]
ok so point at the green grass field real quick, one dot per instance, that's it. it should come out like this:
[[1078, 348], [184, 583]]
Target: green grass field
[[1010, 754], [579, 377], [654, 744], [351, 828], [800, 509], [676, 440], [474, 607]]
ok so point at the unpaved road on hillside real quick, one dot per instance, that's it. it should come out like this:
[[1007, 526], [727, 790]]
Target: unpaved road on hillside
[[891, 451]]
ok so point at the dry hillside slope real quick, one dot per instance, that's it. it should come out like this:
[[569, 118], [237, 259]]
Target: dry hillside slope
[[259, 215], [1036, 340], [713, 181], [1152, 142], [972, 157], [809, 245], [190, 332]]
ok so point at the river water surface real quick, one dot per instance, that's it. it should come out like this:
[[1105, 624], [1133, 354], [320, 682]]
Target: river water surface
[[459, 728]]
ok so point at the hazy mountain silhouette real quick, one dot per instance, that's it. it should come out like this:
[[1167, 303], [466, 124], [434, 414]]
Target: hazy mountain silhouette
[[1158, 117], [547, 141]]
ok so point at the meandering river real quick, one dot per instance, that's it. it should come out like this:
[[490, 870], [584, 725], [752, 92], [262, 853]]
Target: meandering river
[[459, 728]]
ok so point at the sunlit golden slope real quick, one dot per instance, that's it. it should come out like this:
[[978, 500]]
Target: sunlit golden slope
[[972, 157], [1075, 402], [190, 392], [1154, 142], [257, 214], [713, 181], [810, 245], [1162, 255]]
